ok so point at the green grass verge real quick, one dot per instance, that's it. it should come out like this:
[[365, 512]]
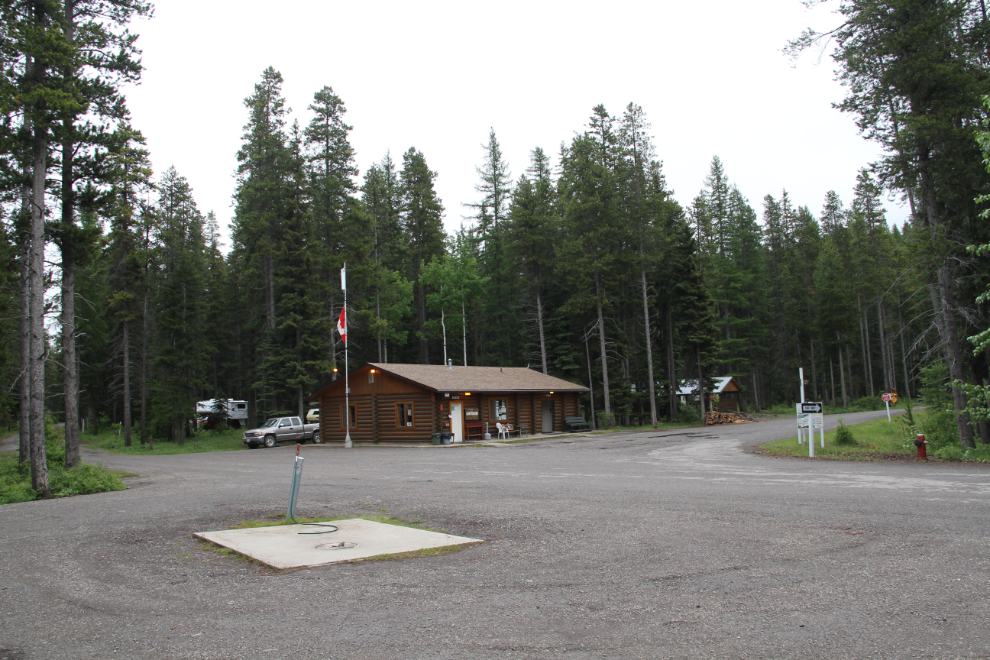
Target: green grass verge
[[277, 519], [204, 441], [15, 480], [877, 440]]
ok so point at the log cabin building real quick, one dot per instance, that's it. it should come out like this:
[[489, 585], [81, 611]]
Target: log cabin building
[[731, 397], [411, 402]]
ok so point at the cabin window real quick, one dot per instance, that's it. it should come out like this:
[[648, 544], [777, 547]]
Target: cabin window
[[353, 416], [500, 412], [371, 376], [403, 414]]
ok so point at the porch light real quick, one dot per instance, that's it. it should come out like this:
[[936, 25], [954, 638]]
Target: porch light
[[372, 371], [467, 394]]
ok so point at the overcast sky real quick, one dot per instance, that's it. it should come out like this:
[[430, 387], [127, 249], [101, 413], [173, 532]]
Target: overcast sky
[[437, 75]]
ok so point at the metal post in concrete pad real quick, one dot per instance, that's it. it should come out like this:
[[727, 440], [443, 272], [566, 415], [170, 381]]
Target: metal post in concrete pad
[[296, 480], [294, 497]]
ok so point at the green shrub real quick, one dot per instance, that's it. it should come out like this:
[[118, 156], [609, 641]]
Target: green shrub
[[956, 452], [866, 403], [688, 414], [15, 479], [950, 453], [843, 436], [84, 479], [939, 425], [14, 488], [605, 420]]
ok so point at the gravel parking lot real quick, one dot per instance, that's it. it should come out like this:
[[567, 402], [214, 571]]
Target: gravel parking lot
[[674, 544]]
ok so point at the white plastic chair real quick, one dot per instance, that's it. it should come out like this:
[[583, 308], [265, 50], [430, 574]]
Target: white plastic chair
[[501, 430]]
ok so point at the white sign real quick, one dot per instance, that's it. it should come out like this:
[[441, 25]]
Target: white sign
[[819, 420]]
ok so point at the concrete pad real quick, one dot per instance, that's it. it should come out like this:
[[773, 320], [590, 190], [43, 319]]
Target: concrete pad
[[283, 546]]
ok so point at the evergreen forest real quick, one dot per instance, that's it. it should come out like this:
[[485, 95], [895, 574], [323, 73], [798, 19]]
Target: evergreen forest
[[122, 304]]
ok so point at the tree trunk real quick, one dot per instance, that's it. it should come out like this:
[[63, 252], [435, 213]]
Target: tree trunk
[[70, 377], [144, 363], [127, 383], [649, 341], [849, 367], [842, 376], [953, 350], [378, 306], [24, 432], [814, 370], [701, 385], [864, 326], [907, 378], [601, 340], [539, 323], [671, 367], [831, 373], [39, 464], [591, 386], [424, 344]]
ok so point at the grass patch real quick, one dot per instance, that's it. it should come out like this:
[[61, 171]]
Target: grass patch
[[203, 441], [424, 552], [84, 479], [277, 519], [874, 440]]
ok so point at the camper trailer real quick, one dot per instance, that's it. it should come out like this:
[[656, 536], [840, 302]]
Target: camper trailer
[[233, 412]]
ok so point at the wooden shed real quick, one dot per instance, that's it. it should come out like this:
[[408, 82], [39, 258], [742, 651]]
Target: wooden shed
[[410, 402], [731, 396]]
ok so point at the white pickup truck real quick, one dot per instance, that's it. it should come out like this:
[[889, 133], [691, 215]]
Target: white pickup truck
[[282, 429]]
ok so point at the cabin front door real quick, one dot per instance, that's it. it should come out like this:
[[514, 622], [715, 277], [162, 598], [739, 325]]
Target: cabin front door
[[548, 416], [456, 422]]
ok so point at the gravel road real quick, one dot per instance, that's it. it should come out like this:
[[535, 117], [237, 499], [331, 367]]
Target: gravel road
[[673, 544]]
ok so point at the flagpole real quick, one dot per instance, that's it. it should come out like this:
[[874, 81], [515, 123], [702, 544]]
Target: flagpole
[[347, 375]]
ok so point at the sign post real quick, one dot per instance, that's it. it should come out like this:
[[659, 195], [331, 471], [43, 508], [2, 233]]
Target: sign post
[[813, 416], [886, 401], [801, 423], [347, 376]]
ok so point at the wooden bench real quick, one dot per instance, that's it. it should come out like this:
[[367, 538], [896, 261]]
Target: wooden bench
[[474, 431], [576, 423]]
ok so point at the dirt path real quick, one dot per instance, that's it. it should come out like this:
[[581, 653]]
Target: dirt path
[[9, 443]]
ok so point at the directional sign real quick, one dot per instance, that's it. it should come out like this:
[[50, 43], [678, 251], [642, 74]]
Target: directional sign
[[886, 396], [812, 407]]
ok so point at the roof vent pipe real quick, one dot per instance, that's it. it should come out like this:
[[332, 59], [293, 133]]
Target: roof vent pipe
[[450, 364]]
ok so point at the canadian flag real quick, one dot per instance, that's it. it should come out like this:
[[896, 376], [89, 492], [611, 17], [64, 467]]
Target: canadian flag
[[342, 325]]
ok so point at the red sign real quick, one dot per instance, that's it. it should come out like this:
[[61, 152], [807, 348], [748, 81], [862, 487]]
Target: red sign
[[886, 396]]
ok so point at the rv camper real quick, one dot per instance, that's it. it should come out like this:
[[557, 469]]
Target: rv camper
[[217, 410]]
